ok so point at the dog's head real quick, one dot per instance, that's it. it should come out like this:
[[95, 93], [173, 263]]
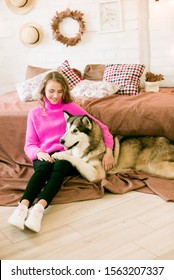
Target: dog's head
[[78, 129]]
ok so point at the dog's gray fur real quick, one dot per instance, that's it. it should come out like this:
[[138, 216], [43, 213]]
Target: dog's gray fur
[[85, 150], [154, 155]]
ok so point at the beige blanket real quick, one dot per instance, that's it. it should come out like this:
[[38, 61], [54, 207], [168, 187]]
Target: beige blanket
[[146, 114]]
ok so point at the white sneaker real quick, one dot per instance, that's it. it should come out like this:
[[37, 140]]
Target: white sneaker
[[34, 219], [18, 217]]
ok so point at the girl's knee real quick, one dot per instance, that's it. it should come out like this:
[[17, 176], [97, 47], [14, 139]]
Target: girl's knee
[[42, 165], [65, 168], [62, 164]]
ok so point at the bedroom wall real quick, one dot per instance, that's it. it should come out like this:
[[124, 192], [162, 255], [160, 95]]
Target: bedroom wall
[[147, 37], [161, 26]]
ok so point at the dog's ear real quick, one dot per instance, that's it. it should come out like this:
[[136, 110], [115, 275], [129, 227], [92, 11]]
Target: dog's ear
[[87, 122], [67, 115]]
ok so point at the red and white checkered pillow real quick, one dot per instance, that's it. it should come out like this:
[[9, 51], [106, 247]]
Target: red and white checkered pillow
[[69, 74], [125, 75]]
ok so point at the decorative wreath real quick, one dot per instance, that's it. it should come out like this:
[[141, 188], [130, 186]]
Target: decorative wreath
[[58, 18]]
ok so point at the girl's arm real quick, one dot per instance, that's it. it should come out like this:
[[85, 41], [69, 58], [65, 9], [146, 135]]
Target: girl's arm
[[32, 144]]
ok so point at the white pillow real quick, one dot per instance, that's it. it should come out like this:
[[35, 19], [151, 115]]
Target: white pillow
[[28, 90], [94, 89]]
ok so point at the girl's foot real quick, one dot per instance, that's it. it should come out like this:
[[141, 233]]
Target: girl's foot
[[34, 219], [18, 217]]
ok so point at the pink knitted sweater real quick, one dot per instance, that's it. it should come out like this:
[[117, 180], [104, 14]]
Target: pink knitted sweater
[[44, 129]]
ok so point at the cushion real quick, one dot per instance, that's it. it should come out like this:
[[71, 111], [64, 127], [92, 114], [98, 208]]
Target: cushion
[[28, 90], [94, 72], [77, 72], [72, 78], [94, 89], [125, 75], [33, 71]]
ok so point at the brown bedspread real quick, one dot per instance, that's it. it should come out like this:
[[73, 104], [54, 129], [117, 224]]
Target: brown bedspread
[[146, 114]]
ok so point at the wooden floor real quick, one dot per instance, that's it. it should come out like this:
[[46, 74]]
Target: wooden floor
[[125, 227]]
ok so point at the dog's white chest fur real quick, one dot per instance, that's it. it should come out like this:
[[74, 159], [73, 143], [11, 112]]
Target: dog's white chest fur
[[77, 153]]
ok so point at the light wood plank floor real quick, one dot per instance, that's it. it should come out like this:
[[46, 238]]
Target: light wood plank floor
[[125, 227]]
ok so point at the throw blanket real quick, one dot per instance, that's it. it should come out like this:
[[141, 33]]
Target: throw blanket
[[79, 189], [146, 114]]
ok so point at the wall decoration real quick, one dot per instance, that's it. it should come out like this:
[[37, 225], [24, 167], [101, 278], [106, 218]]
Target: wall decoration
[[31, 34], [110, 16], [20, 6], [57, 20]]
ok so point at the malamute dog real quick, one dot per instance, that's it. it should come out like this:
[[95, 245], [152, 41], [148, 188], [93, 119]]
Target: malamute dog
[[84, 145], [85, 148]]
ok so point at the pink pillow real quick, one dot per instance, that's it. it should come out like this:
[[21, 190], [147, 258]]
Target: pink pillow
[[125, 75], [72, 78]]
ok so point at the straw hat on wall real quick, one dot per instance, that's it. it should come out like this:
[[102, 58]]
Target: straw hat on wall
[[31, 34], [20, 6]]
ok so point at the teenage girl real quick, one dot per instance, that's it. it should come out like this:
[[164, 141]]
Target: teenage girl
[[45, 126]]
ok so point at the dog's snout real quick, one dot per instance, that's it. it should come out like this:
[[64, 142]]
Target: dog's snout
[[62, 141]]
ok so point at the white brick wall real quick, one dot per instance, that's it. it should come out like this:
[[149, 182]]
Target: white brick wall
[[132, 45], [161, 25]]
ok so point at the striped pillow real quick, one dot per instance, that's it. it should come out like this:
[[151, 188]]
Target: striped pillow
[[125, 75]]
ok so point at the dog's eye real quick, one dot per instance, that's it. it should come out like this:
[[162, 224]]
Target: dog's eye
[[75, 130]]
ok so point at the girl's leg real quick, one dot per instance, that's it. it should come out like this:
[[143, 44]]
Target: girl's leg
[[37, 181], [34, 186], [60, 169]]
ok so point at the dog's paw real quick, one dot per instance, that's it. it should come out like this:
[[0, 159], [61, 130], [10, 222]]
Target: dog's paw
[[54, 156], [60, 155]]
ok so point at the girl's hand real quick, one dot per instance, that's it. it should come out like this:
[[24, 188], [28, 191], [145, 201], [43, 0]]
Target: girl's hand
[[44, 156], [108, 159]]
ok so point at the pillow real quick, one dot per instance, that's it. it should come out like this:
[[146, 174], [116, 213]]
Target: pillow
[[72, 78], [78, 73], [94, 89], [33, 71], [28, 90], [94, 72], [125, 75]]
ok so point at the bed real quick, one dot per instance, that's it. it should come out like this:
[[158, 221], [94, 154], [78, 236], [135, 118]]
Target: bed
[[146, 113]]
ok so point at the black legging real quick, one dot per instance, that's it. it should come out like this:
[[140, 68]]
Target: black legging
[[49, 177]]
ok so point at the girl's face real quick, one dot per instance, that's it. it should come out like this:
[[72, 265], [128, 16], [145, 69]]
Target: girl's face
[[53, 91]]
